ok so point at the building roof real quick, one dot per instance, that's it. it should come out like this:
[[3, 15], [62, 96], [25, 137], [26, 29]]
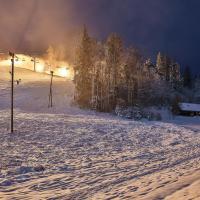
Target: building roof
[[189, 107]]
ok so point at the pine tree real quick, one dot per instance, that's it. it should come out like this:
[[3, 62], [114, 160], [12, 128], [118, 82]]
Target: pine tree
[[164, 66], [187, 79], [160, 65], [113, 58], [83, 70], [175, 75], [167, 67], [98, 82], [132, 63]]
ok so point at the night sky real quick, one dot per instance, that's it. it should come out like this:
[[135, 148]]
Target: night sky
[[169, 26]]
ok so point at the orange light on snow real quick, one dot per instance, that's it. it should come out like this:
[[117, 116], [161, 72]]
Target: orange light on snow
[[5, 63], [22, 61], [18, 63]]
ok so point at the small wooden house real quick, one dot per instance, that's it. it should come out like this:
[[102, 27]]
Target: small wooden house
[[189, 109]]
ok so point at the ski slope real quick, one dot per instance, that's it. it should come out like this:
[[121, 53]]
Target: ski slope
[[32, 93], [68, 153]]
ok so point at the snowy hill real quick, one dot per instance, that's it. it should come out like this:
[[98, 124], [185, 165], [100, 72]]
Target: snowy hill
[[68, 153], [32, 92]]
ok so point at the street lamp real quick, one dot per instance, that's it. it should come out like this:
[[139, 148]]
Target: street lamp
[[50, 92], [12, 89], [34, 63]]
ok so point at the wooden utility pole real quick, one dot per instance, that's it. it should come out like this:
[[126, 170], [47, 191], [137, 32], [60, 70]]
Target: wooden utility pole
[[34, 61], [12, 90], [50, 92]]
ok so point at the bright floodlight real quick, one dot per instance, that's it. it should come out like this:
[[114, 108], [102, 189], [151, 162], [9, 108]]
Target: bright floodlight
[[39, 67], [63, 72]]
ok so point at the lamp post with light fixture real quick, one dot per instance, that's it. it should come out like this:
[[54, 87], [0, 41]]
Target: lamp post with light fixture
[[12, 90], [34, 63], [50, 92]]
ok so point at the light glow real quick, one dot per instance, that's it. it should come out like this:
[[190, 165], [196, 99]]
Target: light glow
[[61, 68], [63, 72], [39, 67], [5, 63]]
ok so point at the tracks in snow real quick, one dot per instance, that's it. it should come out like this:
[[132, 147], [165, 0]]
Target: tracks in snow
[[90, 155]]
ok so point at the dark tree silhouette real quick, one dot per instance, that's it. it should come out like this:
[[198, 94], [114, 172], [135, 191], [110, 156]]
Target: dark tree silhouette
[[187, 77]]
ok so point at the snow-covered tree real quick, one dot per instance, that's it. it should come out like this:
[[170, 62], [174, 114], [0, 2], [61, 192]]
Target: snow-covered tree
[[168, 69], [161, 65], [106, 73], [114, 49], [132, 73], [83, 70]]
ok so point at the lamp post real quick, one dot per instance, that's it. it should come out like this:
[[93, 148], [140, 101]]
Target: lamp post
[[34, 61], [50, 92], [12, 90]]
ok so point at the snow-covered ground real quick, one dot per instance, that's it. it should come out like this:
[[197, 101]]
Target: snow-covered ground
[[68, 153]]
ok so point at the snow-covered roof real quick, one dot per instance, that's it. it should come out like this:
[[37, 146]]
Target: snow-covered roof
[[189, 107]]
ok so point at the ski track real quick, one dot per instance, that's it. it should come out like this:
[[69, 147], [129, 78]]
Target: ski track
[[84, 155]]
